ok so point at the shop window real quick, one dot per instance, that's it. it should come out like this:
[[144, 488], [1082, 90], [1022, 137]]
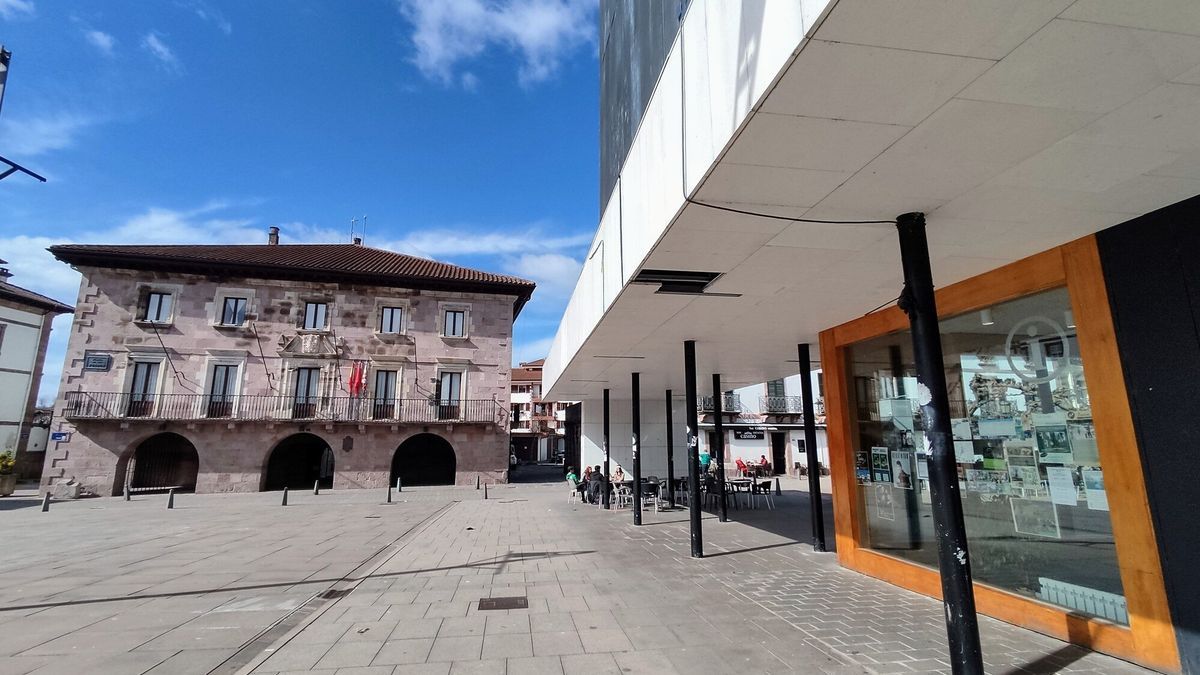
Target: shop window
[[1032, 484]]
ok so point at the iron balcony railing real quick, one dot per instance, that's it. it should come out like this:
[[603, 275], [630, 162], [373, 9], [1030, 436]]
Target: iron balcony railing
[[118, 405], [781, 405], [730, 403]]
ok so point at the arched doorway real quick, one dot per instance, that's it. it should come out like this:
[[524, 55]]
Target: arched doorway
[[424, 459], [165, 460], [298, 461]]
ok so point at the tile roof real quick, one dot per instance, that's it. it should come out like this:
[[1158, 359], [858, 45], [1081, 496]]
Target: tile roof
[[317, 262], [526, 374], [27, 297]]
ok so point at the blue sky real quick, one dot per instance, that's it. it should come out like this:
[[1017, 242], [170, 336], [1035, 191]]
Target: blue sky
[[464, 129]]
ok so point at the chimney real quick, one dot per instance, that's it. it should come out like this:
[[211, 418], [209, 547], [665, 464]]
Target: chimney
[[273, 236], [358, 241]]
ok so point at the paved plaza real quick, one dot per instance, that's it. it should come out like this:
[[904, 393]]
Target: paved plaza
[[343, 583]]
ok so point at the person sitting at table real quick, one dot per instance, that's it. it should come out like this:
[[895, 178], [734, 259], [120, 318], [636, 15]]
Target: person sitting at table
[[587, 475], [705, 460], [762, 461], [618, 475], [741, 467], [580, 485], [595, 486]]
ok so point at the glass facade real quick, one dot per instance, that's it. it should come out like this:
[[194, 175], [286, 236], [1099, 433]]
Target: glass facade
[[1029, 469]]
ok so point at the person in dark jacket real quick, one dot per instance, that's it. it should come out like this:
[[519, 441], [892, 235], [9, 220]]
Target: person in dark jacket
[[595, 485]]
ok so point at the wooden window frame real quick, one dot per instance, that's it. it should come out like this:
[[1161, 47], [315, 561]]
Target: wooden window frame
[[1150, 637]]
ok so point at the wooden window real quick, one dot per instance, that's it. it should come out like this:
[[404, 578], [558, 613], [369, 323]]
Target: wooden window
[[233, 312], [315, 315], [455, 323], [391, 320]]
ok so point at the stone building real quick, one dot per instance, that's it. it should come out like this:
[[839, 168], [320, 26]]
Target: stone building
[[255, 367], [25, 319]]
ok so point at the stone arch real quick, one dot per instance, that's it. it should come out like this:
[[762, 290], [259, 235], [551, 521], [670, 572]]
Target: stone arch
[[163, 460], [424, 459], [297, 461]]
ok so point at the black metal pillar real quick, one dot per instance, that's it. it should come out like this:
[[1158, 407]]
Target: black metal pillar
[[693, 446], [816, 506], [917, 301], [670, 454], [636, 423], [719, 447], [604, 491]]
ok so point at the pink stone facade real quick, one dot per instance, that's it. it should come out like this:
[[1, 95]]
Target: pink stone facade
[[267, 349]]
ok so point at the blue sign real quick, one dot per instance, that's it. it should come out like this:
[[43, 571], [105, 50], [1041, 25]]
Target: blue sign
[[60, 436]]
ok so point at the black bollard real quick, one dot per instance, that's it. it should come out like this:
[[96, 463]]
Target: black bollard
[[389, 493], [126, 492], [171, 498], [778, 491], [485, 490], [399, 484], [284, 497], [316, 487], [478, 480], [46, 503]]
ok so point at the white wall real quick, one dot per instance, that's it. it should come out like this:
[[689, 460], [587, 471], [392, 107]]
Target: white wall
[[654, 435], [18, 352], [726, 56]]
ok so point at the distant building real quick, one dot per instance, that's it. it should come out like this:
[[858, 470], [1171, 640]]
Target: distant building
[[25, 319], [537, 426], [243, 368]]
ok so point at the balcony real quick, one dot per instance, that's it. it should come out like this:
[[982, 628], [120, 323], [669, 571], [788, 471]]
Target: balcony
[[730, 403], [85, 405], [781, 405]]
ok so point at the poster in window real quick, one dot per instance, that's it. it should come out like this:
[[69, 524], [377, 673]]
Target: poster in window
[[991, 450], [1061, 480], [885, 506], [1036, 517], [960, 428], [862, 467], [903, 469], [1000, 427], [1020, 453], [923, 467], [1081, 434], [987, 482], [1053, 446], [881, 470], [1093, 489], [964, 452]]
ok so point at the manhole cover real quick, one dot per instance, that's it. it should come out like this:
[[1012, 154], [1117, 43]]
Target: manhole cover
[[520, 602]]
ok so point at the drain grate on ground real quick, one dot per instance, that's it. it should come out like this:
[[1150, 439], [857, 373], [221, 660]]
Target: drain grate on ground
[[519, 602], [333, 594]]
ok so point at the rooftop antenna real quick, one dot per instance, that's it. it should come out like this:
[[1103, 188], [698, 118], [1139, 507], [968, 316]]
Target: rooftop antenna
[[364, 229], [353, 222]]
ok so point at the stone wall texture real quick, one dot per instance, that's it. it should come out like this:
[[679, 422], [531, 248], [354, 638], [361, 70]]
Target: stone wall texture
[[233, 453]]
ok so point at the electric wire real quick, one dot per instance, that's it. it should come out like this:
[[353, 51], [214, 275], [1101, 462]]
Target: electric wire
[[792, 219], [263, 357], [171, 362]]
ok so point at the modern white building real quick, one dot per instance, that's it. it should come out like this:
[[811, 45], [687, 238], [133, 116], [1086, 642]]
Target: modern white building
[[25, 322], [755, 157]]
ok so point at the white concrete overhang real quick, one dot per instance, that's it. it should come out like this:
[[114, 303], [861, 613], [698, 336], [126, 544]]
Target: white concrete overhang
[[1015, 125]]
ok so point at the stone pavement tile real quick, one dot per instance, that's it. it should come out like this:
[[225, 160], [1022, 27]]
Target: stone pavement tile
[[647, 663], [557, 644], [653, 637], [416, 628], [94, 642], [345, 654], [462, 626], [199, 638], [321, 631], [485, 667], [503, 646], [294, 656], [592, 664], [368, 631], [403, 651], [537, 665], [21, 665], [363, 614], [422, 669], [445, 610], [402, 612], [605, 640], [366, 670], [594, 619], [507, 624], [456, 648], [129, 663], [550, 623], [191, 662]]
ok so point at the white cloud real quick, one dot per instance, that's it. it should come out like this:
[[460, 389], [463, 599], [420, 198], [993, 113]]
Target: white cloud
[[102, 41], [153, 43], [470, 81], [542, 32], [209, 14], [13, 9], [554, 273], [31, 136]]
